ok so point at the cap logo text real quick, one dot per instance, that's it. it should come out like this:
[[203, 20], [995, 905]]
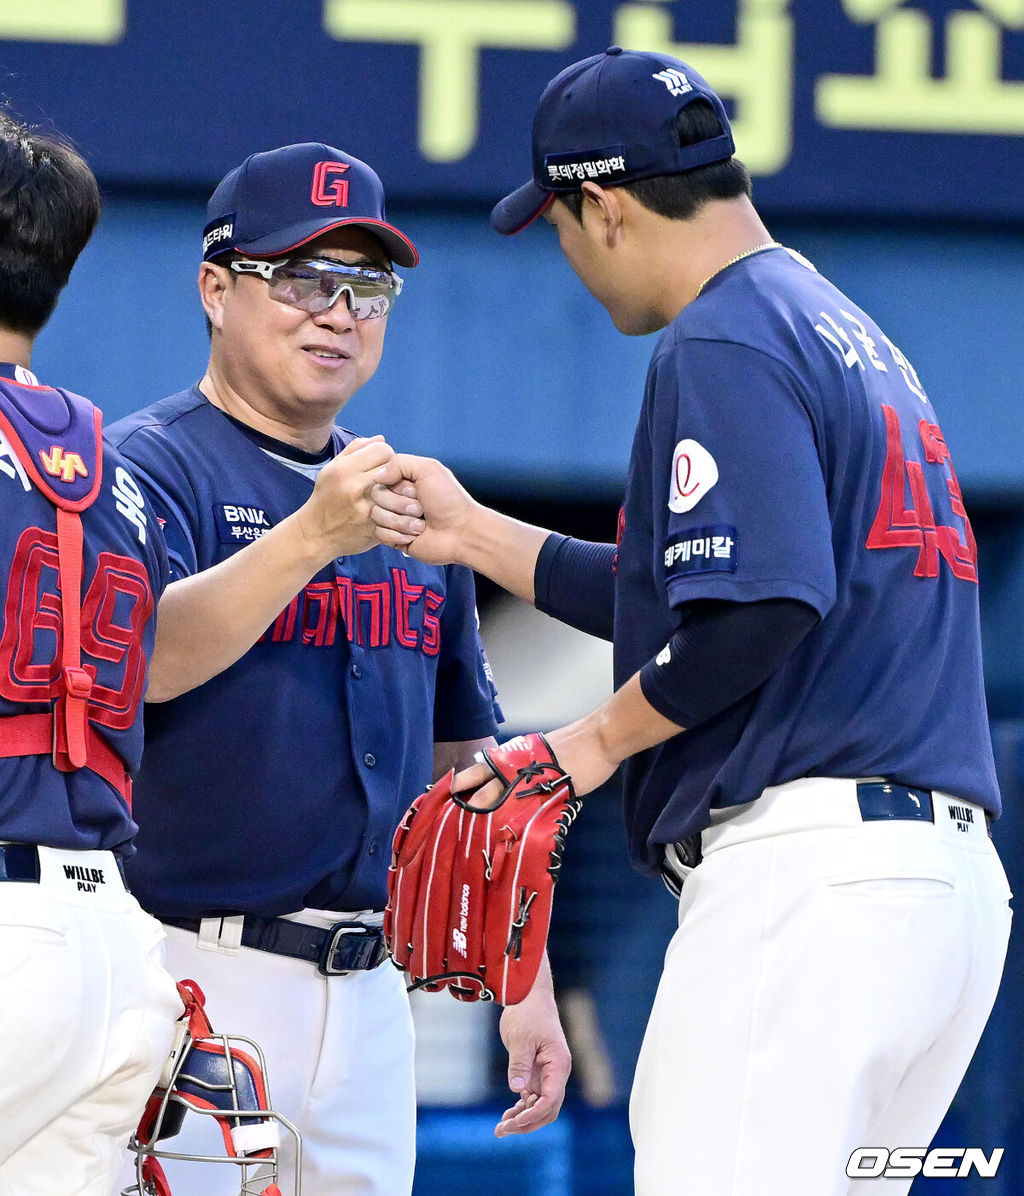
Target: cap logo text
[[222, 232], [567, 171], [328, 192], [676, 82]]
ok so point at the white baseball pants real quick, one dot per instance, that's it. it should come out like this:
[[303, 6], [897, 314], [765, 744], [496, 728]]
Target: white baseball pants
[[339, 1055], [825, 990], [87, 1015]]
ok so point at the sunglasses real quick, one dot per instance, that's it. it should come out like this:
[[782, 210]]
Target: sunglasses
[[314, 284]]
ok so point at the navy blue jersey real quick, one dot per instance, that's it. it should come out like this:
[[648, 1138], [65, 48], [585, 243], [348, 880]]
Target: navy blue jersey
[[278, 784], [124, 572], [787, 449]]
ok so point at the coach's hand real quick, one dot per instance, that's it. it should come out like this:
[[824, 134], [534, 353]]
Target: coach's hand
[[336, 519], [538, 1059]]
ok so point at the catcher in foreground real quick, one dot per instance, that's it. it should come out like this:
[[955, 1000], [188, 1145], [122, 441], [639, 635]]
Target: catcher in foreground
[[470, 886]]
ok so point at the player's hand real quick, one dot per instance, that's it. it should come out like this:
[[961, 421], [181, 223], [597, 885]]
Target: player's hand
[[582, 753], [579, 753], [538, 1059], [336, 518], [424, 511], [478, 786]]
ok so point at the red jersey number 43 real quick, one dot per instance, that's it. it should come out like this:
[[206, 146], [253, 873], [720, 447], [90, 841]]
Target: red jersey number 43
[[898, 525]]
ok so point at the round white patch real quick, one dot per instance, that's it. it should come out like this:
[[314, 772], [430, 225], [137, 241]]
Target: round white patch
[[694, 472]]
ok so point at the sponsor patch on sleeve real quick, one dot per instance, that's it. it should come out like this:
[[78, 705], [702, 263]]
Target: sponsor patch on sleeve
[[238, 523], [694, 472], [701, 550]]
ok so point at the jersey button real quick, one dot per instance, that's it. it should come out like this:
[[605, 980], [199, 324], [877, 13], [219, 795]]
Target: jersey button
[[356, 671], [369, 759], [372, 849]]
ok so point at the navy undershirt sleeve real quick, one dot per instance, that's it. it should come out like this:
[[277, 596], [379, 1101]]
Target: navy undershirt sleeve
[[574, 581], [721, 652]]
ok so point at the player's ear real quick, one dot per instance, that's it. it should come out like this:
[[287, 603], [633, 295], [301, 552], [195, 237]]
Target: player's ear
[[214, 282], [604, 204]]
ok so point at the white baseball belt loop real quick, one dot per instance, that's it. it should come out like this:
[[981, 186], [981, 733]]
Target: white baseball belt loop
[[221, 934]]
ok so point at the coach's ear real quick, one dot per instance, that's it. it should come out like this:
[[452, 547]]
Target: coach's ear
[[214, 282]]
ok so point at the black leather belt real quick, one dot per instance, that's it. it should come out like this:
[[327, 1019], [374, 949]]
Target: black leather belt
[[20, 862], [343, 947]]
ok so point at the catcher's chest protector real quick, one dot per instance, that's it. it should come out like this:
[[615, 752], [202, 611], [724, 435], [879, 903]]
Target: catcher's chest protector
[[61, 453]]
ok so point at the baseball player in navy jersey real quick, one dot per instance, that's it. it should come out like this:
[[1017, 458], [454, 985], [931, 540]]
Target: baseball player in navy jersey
[[87, 1010], [307, 681], [799, 707]]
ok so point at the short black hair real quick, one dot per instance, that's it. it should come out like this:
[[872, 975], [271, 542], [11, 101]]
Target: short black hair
[[49, 205], [679, 196]]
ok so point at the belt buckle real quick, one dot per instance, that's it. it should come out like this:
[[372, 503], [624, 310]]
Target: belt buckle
[[369, 954], [679, 860]]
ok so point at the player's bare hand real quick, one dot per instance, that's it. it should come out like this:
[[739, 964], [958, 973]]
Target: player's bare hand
[[538, 1059], [336, 519], [396, 515], [478, 786], [579, 753], [424, 511]]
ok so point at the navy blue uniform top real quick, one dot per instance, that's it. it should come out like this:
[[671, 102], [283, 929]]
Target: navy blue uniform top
[[787, 449], [279, 783], [124, 573]]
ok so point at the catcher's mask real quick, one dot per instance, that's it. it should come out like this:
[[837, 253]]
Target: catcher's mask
[[222, 1076]]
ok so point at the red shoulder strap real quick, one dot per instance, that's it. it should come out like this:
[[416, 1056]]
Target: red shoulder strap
[[194, 1000], [72, 708]]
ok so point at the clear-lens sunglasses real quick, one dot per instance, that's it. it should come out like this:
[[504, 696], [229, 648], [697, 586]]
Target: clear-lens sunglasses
[[314, 284]]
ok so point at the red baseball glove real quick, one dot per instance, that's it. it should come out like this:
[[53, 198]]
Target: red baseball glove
[[469, 890]]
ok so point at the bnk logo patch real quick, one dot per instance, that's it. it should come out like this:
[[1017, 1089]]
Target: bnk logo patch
[[239, 523]]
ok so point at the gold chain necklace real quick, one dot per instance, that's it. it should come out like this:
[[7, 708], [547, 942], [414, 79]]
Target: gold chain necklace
[[738, 258]]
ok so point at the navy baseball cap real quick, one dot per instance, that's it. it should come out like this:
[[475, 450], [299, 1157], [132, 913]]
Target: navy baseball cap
[[278, 200], [611, 118]]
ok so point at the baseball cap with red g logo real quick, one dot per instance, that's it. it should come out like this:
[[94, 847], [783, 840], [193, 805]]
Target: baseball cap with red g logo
[[611, 119], [278, 200]]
